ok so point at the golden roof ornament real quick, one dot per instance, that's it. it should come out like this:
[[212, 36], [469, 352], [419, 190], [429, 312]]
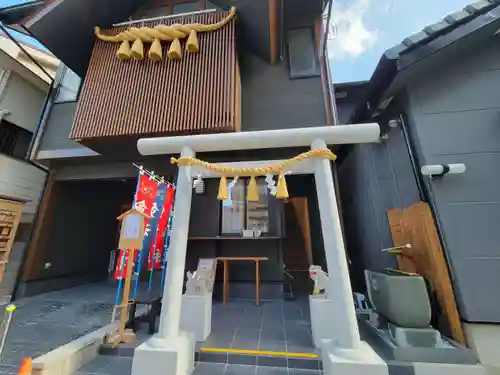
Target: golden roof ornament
[[138, 36]]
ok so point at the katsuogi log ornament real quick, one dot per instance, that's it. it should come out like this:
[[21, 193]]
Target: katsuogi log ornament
[[133, 40]]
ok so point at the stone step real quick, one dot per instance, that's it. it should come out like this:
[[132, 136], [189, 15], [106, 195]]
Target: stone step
[[305, 361]]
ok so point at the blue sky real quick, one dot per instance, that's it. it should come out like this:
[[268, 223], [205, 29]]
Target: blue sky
[[365, 28]]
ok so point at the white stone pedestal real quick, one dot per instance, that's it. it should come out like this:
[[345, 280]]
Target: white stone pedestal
[[166, 356], [196, 315], [322, 319], [362, 360]]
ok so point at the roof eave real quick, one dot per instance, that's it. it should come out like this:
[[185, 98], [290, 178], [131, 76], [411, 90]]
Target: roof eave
[[16, 14], [403, 56]]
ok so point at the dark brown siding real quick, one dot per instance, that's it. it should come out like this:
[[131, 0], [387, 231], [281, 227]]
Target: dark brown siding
[[188, 96]]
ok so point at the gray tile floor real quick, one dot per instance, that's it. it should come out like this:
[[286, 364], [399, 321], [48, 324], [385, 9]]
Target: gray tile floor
[[108, 365], [282, 326], [47, 321]]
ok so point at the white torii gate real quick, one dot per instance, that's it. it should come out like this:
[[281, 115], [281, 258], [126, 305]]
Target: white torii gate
[[172, 350]]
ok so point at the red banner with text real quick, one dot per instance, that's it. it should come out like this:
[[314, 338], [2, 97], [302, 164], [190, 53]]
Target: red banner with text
[[144, 199], [162, 228]]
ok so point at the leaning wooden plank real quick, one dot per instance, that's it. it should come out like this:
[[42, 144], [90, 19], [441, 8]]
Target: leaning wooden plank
[[400, 237], [439, 272]]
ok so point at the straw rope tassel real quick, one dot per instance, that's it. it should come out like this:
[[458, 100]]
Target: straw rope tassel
[[253, 190], [155, 51], [222, 196], [161, 33], [137, 50], [281, 189], [192, 42], [175, 52], [124, 51]]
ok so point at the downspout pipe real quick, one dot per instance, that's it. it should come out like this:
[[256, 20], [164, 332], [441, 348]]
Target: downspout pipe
[[413, 161], [324, 55], [44, 115], [425, 190]]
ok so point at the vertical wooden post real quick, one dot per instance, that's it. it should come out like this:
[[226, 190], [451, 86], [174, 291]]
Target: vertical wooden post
[[225, 287], [273, 30], [126, 292], [318, 31], [257, 283]]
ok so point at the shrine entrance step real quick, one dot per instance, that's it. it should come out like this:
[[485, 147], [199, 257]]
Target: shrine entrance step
[[254, 357]]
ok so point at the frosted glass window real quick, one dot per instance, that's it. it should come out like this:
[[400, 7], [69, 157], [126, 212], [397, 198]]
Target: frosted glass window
[[239, 214]]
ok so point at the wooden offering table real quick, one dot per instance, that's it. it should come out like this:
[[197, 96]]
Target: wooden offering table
[[226, 260]]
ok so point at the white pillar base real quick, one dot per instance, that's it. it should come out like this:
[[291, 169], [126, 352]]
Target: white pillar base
[[171, 356], [362, 360], [196, 315], [323, 326]]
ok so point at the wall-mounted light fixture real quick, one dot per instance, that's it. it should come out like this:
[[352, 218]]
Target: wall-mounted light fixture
[[393, 123], [384, 138], [439, 170]]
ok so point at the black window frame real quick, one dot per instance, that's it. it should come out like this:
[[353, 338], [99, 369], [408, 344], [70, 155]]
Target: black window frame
[[16, 131], [315, 57]]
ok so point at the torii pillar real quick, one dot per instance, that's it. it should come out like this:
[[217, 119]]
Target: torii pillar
[[171, 350]]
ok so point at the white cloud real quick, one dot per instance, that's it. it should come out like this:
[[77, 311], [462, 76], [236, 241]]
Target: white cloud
[[351, 36]]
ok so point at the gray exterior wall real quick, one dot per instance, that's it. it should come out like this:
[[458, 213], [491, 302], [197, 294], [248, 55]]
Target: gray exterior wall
[[82, 231], [374, 178], [454, 118], [56, 132], [271, 100]]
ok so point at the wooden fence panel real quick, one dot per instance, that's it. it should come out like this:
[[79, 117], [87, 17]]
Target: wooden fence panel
[[415, 225]]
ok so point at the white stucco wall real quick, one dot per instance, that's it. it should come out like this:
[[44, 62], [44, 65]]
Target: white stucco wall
[[19, 179], [24, 102]]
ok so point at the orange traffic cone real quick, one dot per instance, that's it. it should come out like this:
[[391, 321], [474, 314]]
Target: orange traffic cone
[[26, 366]]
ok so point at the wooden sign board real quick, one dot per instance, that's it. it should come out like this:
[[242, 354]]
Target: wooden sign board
[[10, 216], [132, 229], [208, 265]]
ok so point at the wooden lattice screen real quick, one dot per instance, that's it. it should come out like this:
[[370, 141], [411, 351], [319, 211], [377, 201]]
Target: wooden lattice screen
[[415, 225]]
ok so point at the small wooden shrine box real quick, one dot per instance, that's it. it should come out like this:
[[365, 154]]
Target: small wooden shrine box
[[132, 229]]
